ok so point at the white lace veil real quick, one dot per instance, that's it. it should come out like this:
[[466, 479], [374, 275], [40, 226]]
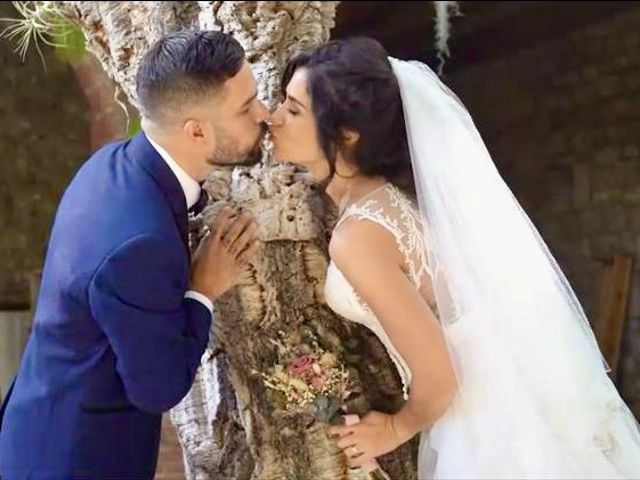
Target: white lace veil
[[535, 400]]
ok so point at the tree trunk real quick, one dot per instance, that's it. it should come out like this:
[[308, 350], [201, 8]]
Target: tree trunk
[[228, 425]]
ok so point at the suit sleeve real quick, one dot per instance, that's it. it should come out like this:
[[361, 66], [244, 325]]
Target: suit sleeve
[[158, 336]]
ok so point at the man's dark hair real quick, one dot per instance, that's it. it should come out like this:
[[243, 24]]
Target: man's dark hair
[[184, 67]]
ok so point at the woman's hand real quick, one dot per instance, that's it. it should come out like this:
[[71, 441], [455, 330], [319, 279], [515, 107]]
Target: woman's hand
[[372, 437]]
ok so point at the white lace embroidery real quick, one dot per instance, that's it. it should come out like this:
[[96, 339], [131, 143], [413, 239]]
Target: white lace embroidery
[[390, 208], [396, 213]]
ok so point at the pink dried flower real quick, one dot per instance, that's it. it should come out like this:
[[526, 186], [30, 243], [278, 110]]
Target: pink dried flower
[[301, 365]]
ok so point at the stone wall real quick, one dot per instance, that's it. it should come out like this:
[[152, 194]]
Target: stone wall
[[562, 120]]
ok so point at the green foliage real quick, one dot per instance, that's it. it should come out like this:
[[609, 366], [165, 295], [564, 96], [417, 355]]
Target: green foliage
[[70, 43], [133, 127]]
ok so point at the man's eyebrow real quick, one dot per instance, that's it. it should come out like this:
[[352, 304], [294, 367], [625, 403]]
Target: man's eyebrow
[[249, 100]]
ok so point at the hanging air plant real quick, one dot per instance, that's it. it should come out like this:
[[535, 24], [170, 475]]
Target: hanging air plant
[[43, 22], [444, 12]]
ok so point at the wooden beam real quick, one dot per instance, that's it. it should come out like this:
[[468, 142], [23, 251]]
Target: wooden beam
[[614, 298]]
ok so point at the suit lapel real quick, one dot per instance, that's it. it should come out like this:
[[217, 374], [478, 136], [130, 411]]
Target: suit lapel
[[143, 152]]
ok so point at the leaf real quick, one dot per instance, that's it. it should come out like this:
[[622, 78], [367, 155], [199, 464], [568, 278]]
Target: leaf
[[324, 408], [70, 43], [134, 127]]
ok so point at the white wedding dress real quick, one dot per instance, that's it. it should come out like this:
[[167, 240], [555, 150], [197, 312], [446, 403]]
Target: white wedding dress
[[443, 452], [388, 207]]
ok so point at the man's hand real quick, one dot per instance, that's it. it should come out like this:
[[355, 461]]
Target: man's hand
[[223, 253]]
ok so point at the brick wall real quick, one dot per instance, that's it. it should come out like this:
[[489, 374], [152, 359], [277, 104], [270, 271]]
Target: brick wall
[[562, 120]]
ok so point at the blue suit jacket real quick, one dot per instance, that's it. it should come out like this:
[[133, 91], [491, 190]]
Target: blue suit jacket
[[114, 342]]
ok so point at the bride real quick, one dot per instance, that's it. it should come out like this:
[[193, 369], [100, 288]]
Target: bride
[[502, 374]]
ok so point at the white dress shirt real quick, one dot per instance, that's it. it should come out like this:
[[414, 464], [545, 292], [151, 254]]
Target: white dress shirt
[[191, 189]]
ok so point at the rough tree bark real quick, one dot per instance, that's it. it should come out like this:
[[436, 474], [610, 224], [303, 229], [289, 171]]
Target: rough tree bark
[[228, 424]]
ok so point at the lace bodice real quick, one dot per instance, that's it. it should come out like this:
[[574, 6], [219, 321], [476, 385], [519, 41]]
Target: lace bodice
[[388, 207]]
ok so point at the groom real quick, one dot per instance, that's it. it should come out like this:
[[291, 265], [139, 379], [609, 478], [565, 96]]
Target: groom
[[124, 314]]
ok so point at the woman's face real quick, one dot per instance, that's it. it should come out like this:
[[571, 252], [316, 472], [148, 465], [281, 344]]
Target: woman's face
[[294, 131]]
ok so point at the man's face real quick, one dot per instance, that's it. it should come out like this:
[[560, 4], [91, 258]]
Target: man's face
[[225, 128], [238, 121]]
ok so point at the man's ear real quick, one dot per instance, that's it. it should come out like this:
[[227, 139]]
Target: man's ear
[[194, 130]]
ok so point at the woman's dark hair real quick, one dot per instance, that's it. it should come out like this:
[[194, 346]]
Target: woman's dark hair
[[352, 87], [184, 67]]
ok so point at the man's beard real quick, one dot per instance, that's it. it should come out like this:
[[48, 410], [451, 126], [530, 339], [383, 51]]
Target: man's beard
[[226, 154]]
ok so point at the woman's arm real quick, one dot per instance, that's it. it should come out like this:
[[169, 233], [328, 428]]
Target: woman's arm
[[368, 257]]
